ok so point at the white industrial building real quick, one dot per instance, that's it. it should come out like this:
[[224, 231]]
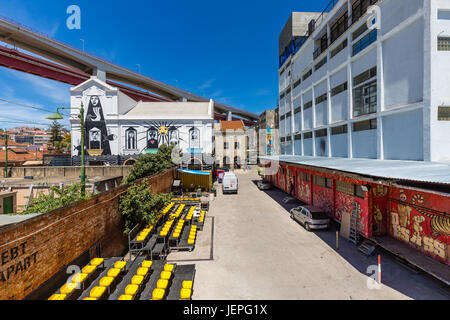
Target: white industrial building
[[359, 84], [118, 128]]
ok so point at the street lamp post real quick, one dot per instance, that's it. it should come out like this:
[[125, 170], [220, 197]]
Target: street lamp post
[[6, 154], [58, 116]]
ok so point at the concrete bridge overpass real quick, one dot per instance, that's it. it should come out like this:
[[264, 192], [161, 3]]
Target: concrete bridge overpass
[[80, 63]]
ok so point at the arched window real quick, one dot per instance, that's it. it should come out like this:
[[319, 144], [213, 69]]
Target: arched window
[[194, 138], [173, 136], [131, 139]]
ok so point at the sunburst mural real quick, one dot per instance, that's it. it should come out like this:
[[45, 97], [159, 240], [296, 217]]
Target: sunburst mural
[[159, 133]]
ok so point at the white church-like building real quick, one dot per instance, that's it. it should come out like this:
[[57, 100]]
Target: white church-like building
[[119, 129]]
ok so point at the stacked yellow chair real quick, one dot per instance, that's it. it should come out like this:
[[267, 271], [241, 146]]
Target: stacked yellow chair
[[192, 234], [201, 219], [178, 229], [144, 233], [167, 208], [163, 283], [138, 279], [105, 282], [77, 280], [186, 290], [166, 228], [190, 213], [178, 212]]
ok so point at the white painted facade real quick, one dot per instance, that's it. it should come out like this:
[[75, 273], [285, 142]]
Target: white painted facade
[[411, 83], [130, 124]]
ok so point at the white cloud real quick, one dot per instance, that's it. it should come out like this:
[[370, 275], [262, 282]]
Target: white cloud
[[57, 92], [207, 84]]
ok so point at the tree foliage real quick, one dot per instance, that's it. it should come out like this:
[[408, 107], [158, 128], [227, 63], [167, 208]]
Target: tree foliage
[[140, 205], [55, 129], [56, 198], [151, 164]]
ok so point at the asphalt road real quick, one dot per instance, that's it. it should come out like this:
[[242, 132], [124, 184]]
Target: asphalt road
[[251, 249]]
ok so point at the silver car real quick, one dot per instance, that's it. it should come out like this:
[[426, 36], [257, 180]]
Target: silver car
[[311, 217]]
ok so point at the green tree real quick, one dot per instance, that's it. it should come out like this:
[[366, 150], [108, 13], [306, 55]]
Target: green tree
[[55, 129], [56, 198], [64, 145], [151, 164], [140, 205]]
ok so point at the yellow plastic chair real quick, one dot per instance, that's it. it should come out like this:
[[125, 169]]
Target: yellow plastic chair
[[169, 267], [113, 272], [158, 294], [120, 264], [187, 284], [137, 280], [79, 277], [97, 261], [146, 263], [68, 288], [106, 281], [58, 297], [142, 271], [166, 275], [162, 284], [185, 293], [88, 269], [97, 292]]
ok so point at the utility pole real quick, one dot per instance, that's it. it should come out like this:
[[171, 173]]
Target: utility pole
[[83, 168], [6, 154]]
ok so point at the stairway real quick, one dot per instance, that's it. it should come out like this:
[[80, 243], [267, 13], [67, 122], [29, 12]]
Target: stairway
[[367, 247]]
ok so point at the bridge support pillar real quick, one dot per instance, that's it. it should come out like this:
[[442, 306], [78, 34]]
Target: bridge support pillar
[[100, 74]]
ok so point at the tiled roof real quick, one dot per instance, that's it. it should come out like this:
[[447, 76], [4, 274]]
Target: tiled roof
[[18, 157], [10, 143], [232, 125]]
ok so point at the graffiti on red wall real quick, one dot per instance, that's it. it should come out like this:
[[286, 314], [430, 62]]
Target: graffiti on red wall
[[379, 208], [304, 191], [418, 226], [344, 205], [323, 198]]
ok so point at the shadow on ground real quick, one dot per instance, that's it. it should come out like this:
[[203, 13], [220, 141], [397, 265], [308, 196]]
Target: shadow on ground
[[394, 273]]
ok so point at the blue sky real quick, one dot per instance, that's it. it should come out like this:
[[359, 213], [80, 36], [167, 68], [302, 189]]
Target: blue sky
[[224, 50]]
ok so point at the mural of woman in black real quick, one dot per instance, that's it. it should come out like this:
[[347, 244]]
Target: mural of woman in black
[[96, 127]]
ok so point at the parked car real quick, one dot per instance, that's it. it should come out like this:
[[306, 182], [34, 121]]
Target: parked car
[[220, 177], [230, 183], [264, 185], [311, 217], [220, 170]]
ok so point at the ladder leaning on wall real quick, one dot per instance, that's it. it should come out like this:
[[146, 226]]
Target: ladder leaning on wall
[[353, 235]]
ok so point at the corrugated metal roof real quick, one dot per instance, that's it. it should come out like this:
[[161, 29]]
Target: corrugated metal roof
[[423, 171], [12, 219]]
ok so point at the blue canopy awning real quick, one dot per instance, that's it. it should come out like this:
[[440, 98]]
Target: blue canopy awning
[[201, 173]]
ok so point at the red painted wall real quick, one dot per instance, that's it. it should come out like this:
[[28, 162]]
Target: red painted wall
[[344, 204], [422, 220], [323, 198]]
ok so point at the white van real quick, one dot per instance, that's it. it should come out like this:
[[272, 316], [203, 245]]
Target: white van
[[230, 183]]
